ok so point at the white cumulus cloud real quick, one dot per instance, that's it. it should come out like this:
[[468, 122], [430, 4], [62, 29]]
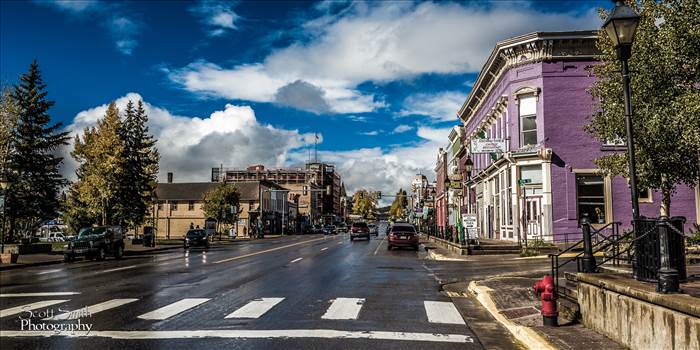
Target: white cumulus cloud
[[217, 16], [378, 42], [440, 106], [402, 129], [191, 146]]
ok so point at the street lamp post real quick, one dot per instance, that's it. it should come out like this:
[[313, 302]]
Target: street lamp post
[[4, 185], [621, 25]]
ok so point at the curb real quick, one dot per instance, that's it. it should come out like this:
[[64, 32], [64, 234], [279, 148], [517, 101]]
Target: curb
[[526, 335]]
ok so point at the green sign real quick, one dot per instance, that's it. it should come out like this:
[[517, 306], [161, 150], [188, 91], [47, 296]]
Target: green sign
[[522, 182]]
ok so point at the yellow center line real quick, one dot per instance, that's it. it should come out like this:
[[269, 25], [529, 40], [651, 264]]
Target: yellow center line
[[267, 250]]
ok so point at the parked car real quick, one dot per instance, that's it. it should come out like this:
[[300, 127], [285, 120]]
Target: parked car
[[402, 235], [96, 242], [341, 227], [307, 229], [329, 230], [359, 229], [317, 229], [196, 238], [373, 230], [57, 237]]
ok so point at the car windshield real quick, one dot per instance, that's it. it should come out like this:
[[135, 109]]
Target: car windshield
[[195, 233], [91, 231], [359, 224]]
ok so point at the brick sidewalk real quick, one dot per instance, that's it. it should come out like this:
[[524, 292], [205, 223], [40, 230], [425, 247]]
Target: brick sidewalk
[[519, 308]]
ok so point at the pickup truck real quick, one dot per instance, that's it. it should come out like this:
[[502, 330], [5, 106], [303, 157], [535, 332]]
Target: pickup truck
[[96, 243]]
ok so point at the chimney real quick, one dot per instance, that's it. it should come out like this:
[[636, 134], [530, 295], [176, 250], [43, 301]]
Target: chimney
[[170, 178]]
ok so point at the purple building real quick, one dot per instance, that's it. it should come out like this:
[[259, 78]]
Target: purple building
[[533, 171]]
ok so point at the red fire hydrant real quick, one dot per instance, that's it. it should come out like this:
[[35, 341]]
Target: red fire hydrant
[[545, 289]]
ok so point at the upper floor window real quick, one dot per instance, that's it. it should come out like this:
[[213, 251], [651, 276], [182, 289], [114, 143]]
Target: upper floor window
[[173, 205], [190, 205], [528, 120], [160, 205]]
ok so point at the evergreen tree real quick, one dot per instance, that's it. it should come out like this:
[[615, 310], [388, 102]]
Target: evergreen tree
[[141, 166], [33, 167], [101, 156]]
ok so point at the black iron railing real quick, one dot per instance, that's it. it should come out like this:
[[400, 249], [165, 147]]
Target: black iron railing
[[600, 241]]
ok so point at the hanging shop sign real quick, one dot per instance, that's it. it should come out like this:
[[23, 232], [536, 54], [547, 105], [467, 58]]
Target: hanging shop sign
[[488, 146], [456, 184]]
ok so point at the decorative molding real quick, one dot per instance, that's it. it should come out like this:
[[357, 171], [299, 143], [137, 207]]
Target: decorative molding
[[527, 90], [526, 49]]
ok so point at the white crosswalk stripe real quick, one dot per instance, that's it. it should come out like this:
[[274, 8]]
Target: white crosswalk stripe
[[442, 312], [31, 306], [90, 310], [173, 309], [344, 309], [255, 308]]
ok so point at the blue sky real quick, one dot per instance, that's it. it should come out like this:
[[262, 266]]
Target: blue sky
[[237, 83]]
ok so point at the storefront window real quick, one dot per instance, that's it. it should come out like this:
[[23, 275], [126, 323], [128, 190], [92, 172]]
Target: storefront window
[[590, 197]]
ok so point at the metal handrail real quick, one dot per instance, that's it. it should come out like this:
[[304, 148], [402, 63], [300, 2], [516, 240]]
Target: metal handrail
[[554, 258]]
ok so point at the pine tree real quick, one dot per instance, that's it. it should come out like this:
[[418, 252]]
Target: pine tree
[[101, 156], [33, 164], [141, 169]]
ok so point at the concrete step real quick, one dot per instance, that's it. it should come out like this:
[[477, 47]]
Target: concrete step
[[493, 252], [496, 247]]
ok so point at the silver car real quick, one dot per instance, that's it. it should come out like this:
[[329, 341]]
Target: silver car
[[373, 230]]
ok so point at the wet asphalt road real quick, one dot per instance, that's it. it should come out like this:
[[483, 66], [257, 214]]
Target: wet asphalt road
[[310, 275]]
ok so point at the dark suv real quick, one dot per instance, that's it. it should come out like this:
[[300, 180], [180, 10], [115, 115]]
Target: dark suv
[[359, 229], [96, 243]]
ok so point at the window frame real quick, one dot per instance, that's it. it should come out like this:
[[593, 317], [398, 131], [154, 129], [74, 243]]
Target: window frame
[[532, 116], [607, 195], [173, 206], [190, 205]]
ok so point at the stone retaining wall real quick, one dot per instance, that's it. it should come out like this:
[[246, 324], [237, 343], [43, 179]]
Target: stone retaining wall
[[638, 318]]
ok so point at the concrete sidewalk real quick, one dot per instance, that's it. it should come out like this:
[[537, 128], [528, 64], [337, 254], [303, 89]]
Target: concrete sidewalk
[[502, 284], [29, 260], [513, 303]]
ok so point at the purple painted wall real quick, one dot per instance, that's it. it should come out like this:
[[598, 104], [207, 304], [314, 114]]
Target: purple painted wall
[[567, 108], [563, 108]]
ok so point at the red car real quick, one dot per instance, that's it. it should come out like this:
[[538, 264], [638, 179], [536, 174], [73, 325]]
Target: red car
[[359, 229], [402, 235]]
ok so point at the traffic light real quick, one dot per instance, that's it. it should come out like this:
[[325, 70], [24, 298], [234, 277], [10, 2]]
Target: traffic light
[[328, 190], [379, 194]]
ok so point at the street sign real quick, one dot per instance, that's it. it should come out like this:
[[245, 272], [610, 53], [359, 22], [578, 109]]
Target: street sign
[[488, 146], [522, 182], [456, 185], [470, 225], [455, 177]]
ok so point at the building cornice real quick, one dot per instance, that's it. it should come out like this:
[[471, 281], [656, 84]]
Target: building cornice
[[526, 49]]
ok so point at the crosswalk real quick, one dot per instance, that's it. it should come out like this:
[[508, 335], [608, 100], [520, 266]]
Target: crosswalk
[[341, 308]]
